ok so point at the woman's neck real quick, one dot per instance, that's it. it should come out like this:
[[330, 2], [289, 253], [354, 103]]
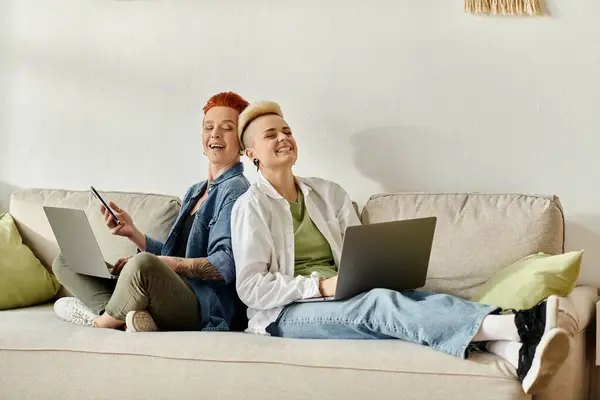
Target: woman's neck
[[215, 170], [283, 182]]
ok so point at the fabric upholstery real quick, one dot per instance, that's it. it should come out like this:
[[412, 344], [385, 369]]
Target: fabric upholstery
[[578, 309], [74, 376], [476, 235], [40, 355], [381, 369]]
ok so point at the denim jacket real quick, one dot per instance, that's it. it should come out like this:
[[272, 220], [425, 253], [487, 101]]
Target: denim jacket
[[210, 237]]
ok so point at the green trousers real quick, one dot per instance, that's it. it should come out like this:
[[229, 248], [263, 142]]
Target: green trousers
[[145, 283]]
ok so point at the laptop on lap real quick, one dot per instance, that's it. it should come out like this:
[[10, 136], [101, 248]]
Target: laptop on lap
[[389, 255], [77, 242]]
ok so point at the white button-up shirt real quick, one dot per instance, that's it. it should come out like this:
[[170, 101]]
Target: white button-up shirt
[[262, 237]]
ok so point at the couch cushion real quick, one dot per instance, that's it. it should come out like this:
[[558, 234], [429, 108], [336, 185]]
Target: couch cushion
[[476, 235], [250, 361], [153, 214]]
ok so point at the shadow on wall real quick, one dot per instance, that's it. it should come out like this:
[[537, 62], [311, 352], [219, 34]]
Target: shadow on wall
[[583, 233], [5, 191], [404, 159]]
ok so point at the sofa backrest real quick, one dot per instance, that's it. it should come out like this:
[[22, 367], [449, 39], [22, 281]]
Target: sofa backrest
[[153, 214], [476, 234]]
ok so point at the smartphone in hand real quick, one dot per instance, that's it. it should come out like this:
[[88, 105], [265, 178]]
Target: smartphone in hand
[[95, 192]]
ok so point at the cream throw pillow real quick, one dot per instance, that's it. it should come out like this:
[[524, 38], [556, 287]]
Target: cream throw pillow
[[23, 279]]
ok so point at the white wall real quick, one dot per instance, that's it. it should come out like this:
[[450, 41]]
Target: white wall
[[384, 95]]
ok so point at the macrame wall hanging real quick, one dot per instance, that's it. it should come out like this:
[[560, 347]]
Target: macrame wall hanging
[[504, 7]]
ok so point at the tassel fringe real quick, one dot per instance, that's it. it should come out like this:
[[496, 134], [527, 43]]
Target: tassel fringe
[[504, 7]]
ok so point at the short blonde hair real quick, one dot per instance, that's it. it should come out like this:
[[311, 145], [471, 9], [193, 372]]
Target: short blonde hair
[[253, 111]]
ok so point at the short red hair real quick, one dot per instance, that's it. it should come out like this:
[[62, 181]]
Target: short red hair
[[226, 99]]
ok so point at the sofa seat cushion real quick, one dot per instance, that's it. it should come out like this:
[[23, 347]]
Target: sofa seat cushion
[[38, 329], [477, 235]]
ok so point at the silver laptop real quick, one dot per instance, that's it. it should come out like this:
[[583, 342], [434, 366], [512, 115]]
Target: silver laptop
[[388, 255], [77, 242]]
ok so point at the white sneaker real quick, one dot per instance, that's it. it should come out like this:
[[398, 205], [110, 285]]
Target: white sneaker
[[140, 321], [74, 311], [539, 362], [551, 313]]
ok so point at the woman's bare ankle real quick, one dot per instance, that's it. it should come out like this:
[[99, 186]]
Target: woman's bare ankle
[[106, 321]]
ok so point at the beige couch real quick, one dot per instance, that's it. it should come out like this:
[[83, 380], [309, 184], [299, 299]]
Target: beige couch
[[44, 357]]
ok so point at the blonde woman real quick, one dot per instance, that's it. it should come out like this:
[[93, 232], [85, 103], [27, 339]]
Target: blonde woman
[[287, 234]]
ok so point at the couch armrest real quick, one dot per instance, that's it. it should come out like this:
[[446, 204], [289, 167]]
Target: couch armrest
[[578, 309]]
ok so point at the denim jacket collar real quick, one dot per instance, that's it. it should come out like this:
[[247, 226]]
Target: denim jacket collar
[[235, 170], [265, 186]]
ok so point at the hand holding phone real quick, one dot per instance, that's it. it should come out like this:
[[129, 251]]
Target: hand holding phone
[[123, 224], [95, 192]]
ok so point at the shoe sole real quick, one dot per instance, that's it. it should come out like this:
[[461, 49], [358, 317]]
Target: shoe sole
[[149, 326], [551, 313], [550, 354]]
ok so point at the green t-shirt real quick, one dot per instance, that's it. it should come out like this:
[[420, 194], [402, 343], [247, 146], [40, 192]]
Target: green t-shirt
[[311, 250]]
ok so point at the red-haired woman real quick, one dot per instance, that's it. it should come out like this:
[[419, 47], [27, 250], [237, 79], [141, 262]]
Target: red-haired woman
[[187, 282]]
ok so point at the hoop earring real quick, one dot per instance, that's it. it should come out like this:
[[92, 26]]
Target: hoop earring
[[255, 162]]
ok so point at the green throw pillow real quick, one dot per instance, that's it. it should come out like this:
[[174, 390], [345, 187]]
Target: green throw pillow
[[530, 280], [23, 279]]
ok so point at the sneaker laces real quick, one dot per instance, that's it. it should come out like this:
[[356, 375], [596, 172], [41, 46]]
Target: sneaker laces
[[79, 313], [82, 317], [530, 325]]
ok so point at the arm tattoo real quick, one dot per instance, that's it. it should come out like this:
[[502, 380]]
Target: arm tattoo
[[198, 268]]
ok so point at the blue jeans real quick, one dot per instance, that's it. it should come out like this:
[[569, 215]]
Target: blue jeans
[[442, 322]]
